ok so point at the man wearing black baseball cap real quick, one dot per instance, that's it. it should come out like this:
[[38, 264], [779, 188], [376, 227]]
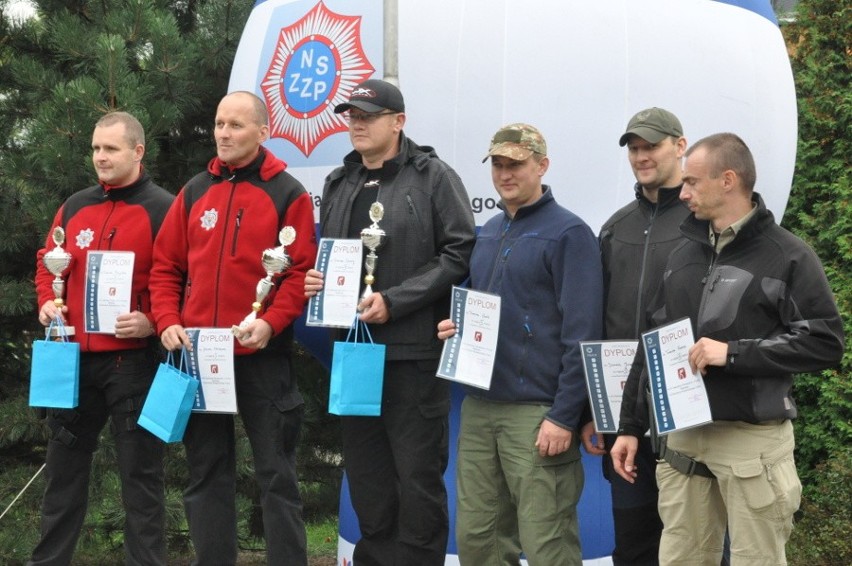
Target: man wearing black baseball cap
[[395, 462], [373, 96]]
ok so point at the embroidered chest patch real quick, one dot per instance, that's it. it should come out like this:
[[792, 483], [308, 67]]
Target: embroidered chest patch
[[85, 238], [209, 219]]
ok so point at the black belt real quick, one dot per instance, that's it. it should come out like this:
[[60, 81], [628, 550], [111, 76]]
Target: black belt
[[684, 464], [680, 462]]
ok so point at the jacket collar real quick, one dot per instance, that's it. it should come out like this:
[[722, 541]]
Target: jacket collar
[[266, 165], [120, 193], [666, 196], [545, 199], [698, 230], [409, 153]]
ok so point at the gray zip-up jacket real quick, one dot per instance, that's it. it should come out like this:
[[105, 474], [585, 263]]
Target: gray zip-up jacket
[[766, 295], [430, 236]]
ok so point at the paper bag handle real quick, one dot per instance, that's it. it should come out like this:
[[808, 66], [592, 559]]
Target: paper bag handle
[[183, 363], [356, 324], [61, 332]]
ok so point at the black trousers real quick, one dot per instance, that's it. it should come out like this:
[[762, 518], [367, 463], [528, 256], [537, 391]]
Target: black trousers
[[395, 465], [271, 410], [634, 509], [112, 385]]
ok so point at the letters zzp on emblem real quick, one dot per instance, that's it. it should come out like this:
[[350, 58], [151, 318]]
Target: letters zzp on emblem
[[303, 82]]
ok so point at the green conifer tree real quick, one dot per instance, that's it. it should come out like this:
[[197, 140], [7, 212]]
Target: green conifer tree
[[820, 207], [165, 61], [820, 211]]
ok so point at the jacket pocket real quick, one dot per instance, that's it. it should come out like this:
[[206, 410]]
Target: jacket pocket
[[415, 217], [237, 224], [526, 345]]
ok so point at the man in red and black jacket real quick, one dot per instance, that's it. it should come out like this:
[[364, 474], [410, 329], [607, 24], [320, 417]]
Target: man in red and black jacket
[[121, 213], [206, 269]]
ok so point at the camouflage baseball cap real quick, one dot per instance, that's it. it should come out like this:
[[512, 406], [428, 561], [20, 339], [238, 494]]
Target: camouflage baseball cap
[[652, 125], [517, 141]]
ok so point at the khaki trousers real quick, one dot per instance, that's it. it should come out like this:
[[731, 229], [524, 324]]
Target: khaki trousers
[[755, 493]]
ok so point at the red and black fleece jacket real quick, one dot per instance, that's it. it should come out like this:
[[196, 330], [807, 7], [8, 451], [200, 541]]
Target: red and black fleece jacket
[[100, 218], [207, 257]]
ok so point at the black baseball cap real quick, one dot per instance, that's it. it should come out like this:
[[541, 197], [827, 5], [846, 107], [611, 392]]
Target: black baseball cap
[[373, 95]]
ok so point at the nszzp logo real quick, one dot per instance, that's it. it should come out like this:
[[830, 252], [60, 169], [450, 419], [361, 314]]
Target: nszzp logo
[[310, 75], [316, 63]]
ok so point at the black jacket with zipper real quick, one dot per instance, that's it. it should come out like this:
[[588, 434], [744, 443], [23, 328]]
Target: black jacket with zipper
[[766, 295], [635, 244], [429, 238]]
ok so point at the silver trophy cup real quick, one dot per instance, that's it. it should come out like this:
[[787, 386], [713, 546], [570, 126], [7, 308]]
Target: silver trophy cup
[[275, 261], [57, 261], [373, 237]]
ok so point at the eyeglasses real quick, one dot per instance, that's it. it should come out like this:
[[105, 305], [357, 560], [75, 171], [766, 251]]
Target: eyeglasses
[[366, 117]]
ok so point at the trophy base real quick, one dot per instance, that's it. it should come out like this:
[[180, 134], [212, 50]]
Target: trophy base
[[238, 330], [56, 331]]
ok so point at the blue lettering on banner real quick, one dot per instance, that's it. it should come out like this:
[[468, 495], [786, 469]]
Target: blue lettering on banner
[[310, 76], [314, 65]]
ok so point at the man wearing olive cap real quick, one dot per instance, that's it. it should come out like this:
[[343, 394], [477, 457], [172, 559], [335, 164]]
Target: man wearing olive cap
[[635, 242], [519, 471]]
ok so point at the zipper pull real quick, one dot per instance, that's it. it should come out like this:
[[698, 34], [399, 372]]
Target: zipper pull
[[716, 280], [707, 275], [109, 237]]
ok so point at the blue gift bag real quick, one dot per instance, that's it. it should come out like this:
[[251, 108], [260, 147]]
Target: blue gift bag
[[169, 402], [357, 375], [55, 371]]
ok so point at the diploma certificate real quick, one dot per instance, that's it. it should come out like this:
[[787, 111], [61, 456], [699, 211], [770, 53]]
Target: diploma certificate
[[340, 263], [679, 396], [109, 278], [211, 362], [607, 365], [468, 357]]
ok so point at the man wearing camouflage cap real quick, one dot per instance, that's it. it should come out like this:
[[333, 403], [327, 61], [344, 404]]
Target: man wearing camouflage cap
[[519, 472]]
